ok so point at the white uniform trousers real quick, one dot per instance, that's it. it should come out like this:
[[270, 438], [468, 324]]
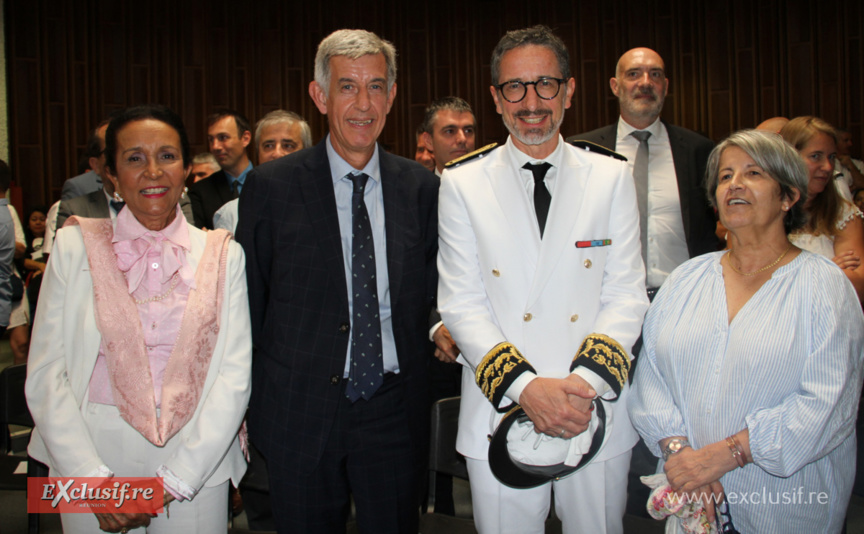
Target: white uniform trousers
[[593, 500], [127, 453]]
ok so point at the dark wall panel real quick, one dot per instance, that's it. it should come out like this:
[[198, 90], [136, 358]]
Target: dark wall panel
[[731, 63]]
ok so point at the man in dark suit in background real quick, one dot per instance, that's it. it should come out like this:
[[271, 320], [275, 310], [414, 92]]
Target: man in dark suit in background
[[677, 222], [675, 219], [341, 241], [91, 180], [228, 134]]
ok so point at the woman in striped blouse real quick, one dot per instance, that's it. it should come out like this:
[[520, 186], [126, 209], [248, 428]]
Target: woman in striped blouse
[[752, 364]]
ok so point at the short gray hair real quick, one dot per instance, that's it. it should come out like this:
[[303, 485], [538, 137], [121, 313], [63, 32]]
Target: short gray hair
[[353, 44], [777, 158], [536, 35], [448, 103], [279, 116], [205, 157]]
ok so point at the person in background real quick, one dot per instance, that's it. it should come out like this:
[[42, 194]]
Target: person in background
[[277, 134], [7, 250], [228, 135], [835, 227], [203, 165], [141, 356], [33, 264], [752, 363], [423, 155], [449, 130]]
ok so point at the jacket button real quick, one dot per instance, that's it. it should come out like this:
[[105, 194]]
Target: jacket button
[[344, 328], [574, 317], [495, 273], [334, 379], [587, 264], [527, 317]]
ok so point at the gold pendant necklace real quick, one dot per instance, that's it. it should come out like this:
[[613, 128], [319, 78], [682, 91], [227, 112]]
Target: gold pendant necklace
[[757, 271]]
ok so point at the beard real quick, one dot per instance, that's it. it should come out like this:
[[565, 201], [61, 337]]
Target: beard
[[533, 136], [648, 107]]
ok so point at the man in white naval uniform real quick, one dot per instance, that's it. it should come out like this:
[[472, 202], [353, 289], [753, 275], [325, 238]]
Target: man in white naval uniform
[[544, 293]]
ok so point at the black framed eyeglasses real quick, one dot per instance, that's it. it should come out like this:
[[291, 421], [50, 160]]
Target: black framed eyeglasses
[[724, 519], [515, 90]]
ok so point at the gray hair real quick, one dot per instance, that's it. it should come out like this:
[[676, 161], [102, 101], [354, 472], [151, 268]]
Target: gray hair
[[279, 116], [448, 103], [353, 44], [205, 157], [536, 35], [777, 158]]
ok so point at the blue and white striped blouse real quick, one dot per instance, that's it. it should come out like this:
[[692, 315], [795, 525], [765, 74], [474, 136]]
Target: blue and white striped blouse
[[788, 367]]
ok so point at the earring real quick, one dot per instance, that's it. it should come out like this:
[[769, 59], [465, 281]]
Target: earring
[[185, 191], [117, 196], [785, 208]]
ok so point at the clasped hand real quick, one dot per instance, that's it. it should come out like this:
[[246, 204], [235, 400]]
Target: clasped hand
[[558, 407], [696, 473]]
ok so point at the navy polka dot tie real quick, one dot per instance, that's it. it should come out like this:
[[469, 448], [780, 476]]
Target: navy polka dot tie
[[367, 360]]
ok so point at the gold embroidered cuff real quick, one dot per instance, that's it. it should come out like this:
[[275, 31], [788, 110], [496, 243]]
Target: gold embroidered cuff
[[499, 368], [606, 357]]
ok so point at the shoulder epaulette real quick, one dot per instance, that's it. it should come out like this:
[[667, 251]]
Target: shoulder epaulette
[[594, 147], [477, 154]]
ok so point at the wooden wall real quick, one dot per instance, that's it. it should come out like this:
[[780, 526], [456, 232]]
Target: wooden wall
[[731, 63]]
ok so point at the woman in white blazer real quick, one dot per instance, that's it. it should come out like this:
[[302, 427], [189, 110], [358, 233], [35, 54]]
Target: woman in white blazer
[[141, 352]]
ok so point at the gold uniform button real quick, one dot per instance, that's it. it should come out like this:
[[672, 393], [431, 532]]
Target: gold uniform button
[[574, 317], [587, 264], [495, 273], [527, 317]]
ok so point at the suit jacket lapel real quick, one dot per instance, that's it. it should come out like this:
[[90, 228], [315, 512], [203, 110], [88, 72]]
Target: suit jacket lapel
[[316, 186], [513, 200], [392, 187], [99, 206], [223, 188], [563, 213], [681, 160]]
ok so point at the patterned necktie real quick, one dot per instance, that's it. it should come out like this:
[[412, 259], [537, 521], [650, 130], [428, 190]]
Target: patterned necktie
[[367, 359], [542, 198], [640, 176]]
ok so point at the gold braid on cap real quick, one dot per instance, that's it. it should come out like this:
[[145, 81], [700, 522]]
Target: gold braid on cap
[[499, 368], [606, 357]]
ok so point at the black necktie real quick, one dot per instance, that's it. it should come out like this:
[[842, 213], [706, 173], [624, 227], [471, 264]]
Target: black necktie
[[367, 359], [235, 189], [116, 205], [542, 198]]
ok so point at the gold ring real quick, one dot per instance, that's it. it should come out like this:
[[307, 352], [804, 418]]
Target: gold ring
[[561, 435]]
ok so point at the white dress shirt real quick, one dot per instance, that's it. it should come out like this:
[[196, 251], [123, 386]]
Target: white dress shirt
[[667, 242]]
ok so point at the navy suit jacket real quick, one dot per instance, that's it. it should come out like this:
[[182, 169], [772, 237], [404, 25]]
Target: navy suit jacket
[[690, 155], [289, 229], [207, 196]]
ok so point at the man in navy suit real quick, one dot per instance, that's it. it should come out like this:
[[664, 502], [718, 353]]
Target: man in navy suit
[[326, 432]]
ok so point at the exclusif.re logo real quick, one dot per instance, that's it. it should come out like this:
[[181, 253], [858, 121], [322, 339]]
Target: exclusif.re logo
[[93, 494]]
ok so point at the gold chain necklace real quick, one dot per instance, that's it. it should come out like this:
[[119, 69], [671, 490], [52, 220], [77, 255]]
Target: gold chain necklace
[[757, 271]]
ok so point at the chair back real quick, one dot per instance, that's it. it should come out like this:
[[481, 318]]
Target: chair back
[[443, 457], [13, 403]]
